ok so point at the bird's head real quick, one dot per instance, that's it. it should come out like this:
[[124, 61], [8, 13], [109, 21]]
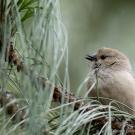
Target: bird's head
[[108, 58]]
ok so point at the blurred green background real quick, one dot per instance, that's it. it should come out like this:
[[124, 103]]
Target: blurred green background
[[93, 24]]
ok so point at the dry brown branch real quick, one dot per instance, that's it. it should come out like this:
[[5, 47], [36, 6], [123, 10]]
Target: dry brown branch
[[13, 59]]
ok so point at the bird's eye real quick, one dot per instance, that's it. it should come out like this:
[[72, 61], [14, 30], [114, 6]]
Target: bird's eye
[[103, 57]]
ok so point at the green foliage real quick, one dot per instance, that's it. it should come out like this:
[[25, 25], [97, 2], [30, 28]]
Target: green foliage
[[27, 8]]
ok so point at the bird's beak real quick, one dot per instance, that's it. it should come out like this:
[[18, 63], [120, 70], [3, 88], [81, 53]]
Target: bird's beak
[[91, 57]]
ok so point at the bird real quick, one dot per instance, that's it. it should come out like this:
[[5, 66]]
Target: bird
[[111, 72]]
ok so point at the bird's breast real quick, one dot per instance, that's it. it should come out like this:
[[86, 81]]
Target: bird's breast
[[119, 86]]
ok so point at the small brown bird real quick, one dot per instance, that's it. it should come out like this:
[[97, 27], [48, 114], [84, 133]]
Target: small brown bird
[[110, 71]]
